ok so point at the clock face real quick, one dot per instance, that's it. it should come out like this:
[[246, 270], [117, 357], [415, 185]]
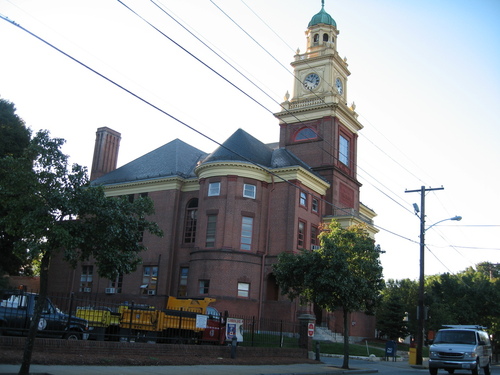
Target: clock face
[[338, 85], [311, 81]]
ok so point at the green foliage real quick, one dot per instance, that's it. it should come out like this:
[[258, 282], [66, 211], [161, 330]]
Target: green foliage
[[469, 297], [49, 207], [391, 317], [14, 139], [52, 208], [345, 272], [14, 135]]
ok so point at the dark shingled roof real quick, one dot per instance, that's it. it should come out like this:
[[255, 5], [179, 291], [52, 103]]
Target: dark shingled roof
[[175, 158], [246, 148], [249, 149]]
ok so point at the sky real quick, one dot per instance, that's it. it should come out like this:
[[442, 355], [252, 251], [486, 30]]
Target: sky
[[425, 79]]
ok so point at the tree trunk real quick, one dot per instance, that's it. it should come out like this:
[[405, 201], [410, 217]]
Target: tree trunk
[[345, 364], [42, 296]]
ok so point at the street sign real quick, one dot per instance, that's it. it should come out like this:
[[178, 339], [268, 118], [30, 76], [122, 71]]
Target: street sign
[[310, 329]]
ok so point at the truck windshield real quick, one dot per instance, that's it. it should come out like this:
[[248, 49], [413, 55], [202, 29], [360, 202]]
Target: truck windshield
[[455, 337]]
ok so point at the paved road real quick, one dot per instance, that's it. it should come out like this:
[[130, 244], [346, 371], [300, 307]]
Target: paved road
[[328, 365]]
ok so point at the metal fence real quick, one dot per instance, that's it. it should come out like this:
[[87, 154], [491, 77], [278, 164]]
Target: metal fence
[[152, 322], [269, 332]]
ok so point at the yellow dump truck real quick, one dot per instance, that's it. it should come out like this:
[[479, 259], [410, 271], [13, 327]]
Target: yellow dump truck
[[183, 320]]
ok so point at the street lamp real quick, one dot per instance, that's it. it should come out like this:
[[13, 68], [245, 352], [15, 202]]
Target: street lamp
[[420, 310]]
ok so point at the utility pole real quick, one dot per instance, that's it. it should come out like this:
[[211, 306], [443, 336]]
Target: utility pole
[[420, 310]]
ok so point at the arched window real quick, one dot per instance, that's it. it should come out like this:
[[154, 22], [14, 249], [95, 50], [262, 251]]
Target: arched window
[[316, 38], [305, 134], [325, 37], [191, 219]]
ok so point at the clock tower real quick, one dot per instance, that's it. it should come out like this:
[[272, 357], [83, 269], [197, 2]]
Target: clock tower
[[316, 124]]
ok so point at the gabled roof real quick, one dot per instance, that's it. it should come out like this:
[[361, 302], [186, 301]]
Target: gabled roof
[[175, 158]]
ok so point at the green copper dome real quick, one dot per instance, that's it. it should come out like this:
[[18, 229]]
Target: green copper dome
[[322, 17]]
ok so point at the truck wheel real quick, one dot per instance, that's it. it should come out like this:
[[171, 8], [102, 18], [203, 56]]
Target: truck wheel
[[72, 336], [475, 371], [487, 370], [433, 371]]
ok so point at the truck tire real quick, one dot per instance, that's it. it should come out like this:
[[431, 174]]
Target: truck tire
[[73, 335], [487, 370], [433, 371], [475, 371]]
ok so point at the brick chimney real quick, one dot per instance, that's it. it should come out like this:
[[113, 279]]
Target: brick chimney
[[107, 143]]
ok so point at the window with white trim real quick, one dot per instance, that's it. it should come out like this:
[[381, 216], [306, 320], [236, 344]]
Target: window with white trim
[[244, 290], [183, 280], [213, 189], [249, 191], [344, 150], [203, 286], [149, 280], [303, 199], [86, 278], [191, 221], [211, 230], [301, 234], [315, 205], [246, 233]]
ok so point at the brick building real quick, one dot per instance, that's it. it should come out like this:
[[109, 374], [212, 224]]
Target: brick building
[[227, 215]]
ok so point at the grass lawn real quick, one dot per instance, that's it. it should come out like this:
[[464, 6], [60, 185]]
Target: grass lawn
[[354, 349]]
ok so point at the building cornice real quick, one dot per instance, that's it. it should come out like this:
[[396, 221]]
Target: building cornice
[[276, 175], [312, 108], [151, 185], [217, 169]]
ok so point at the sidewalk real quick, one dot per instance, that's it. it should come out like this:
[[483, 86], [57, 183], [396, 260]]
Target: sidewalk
[[299, 369], [328, 365]]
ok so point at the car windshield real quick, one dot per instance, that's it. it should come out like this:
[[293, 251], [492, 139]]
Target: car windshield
[[455, 337]]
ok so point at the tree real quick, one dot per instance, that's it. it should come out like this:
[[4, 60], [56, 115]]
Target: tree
[[345, 272], [14, 138], [14, 135], [52, 208], [391, 317], [469, 297]]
